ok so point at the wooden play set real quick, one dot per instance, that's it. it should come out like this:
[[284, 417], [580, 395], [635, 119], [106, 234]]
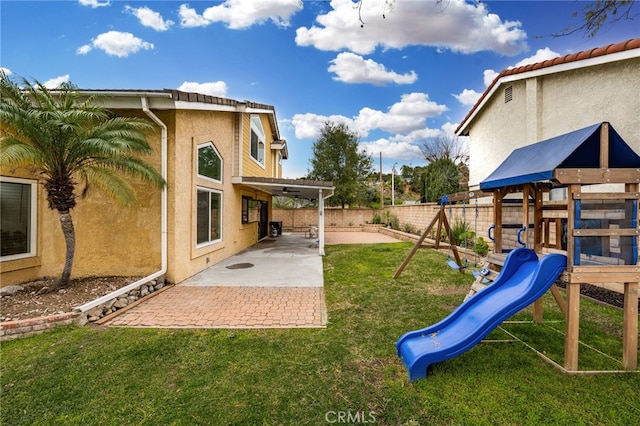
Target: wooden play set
[[597, 227]]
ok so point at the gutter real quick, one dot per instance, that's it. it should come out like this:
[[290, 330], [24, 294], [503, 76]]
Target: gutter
[[163, 220]]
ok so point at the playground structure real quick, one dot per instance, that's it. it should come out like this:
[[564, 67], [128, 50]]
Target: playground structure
[[597, 231]]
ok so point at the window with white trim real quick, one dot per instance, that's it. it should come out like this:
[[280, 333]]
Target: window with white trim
[[18, 218], [209, 162], [257, 139], [208, 216]]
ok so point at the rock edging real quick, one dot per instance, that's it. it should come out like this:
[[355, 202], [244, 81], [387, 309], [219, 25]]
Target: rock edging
[[10, 330], [120, 302]]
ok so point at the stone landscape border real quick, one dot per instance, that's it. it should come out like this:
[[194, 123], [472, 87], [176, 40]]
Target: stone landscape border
[[10, 330]]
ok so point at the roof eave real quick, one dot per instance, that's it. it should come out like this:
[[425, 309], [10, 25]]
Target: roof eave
[[552, 66]]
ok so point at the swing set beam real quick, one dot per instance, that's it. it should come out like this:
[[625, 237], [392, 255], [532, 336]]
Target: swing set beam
[[441, 221]]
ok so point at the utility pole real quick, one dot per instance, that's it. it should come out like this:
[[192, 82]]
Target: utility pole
[[381, 185], [393, 185]]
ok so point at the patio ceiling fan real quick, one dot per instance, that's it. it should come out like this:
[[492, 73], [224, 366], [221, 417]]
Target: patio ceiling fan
[[286, 190]]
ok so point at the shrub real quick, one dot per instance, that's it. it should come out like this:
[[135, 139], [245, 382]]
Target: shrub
[[462, 232], [394, 222], [377, 220], [481, 247]]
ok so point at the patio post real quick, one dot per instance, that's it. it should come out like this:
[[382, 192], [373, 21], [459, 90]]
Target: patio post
[[320, 222]]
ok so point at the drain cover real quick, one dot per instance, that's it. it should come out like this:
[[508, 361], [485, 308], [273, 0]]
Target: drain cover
[[240, 266]]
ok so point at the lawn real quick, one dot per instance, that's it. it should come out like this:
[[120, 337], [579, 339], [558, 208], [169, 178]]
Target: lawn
[[348, 372]]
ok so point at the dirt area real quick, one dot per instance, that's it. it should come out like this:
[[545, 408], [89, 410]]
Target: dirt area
[[602, 294], [357, 238], [38, 300]]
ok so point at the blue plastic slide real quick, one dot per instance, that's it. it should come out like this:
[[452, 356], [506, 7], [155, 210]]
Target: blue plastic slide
[[523, 279]]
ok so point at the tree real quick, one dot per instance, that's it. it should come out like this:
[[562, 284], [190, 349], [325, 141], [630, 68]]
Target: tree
[[439, 178], [445, 147], [596, 14], [435, 151], [337, 158], [65, 140]]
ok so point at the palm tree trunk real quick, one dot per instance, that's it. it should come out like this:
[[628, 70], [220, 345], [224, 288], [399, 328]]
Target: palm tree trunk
[[70, 239]]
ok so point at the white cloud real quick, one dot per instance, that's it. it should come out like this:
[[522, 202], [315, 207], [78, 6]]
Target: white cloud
[[84, 49], [459, 27], [407, 147], [406, 116], [392, 150], [352, 68], [308, 126], [94, 3], [217, 88], [5, 71], [488, 76], [468, 97], [56, 82], [449, 129], [539, 56], [240, 14], [416, 135], [189, 18], [149, 18], [116, 43]]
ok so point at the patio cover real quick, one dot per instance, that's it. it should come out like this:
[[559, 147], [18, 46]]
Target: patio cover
[[577, 149], [295, 188]]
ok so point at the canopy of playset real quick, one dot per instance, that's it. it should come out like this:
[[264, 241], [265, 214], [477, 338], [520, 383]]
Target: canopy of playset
[[577, 149]]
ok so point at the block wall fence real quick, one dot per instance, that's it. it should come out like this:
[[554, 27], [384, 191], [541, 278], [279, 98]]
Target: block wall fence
[[418, 216]]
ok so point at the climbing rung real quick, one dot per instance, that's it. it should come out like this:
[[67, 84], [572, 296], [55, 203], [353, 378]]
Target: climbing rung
[[476, 287], [497, 258]]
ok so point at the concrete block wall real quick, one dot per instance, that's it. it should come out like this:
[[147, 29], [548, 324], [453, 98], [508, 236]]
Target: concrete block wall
[[299, 220]]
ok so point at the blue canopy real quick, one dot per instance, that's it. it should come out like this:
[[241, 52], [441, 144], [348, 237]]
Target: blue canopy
[[577, 149]]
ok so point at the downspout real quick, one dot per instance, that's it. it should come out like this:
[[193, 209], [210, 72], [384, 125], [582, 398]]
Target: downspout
[[163, 200], [163, 220]]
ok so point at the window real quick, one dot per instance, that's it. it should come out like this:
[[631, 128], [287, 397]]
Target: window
[[250, 210], [209, 162], [257, 139], [209, 216], [17, 218]]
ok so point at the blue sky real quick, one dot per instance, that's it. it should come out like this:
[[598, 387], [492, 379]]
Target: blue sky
[[397, 81]]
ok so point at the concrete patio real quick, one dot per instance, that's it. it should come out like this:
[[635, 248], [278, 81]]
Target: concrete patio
[[277, 283]]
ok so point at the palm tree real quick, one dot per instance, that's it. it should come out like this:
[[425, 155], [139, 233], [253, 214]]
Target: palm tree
[[66, 140]]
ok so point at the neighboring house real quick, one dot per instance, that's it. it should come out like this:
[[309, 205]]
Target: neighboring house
[[222, 160], [535, 102]]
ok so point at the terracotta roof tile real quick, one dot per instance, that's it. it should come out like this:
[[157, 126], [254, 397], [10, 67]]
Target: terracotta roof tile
[[572, 57]]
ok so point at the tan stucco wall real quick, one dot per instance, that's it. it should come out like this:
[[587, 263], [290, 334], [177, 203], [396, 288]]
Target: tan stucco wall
[[115, 240], [192, 129], [553, 104], [110, 239]]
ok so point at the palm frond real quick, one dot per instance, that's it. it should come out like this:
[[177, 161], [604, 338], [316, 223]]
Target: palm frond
[[109, 183], [16, 153]]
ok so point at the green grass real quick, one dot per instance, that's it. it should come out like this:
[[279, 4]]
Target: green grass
[[90, 376]]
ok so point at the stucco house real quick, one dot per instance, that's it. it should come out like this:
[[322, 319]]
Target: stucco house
[[535, 102], [222, 160]]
